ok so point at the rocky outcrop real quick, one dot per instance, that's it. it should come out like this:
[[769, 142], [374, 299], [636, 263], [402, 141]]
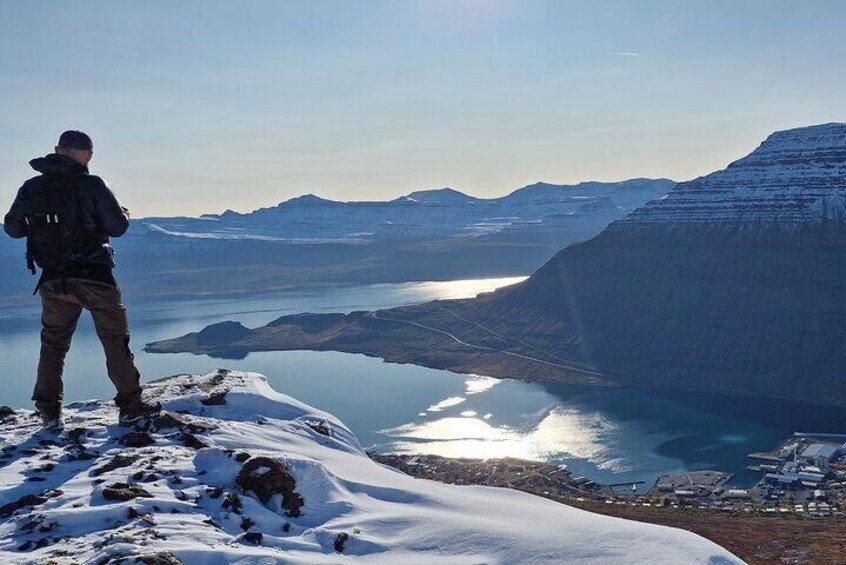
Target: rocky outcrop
[[266, 477], [124, 492]]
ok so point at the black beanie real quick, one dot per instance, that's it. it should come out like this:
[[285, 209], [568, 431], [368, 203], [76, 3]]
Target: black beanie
[[73, 139]]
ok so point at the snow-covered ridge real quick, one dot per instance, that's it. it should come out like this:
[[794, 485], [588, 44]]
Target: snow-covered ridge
[[427, 213], [236, 472], [794, 176]]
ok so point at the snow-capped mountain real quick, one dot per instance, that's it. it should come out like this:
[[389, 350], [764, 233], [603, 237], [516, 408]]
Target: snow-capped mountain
[[235, 472], [793, 177], [423, 214]]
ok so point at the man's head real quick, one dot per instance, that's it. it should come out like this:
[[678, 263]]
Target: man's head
[[76, 145]]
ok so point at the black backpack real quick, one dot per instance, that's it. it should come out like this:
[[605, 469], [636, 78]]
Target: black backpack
[[56, 239]]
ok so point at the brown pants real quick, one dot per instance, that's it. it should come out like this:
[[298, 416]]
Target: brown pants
[[61, 306]]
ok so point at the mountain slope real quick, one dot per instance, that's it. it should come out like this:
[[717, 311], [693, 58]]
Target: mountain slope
[[237, 472], [735, 281]]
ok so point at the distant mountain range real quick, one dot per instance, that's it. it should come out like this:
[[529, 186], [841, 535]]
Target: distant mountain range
[[733, 282], [427, 235], [435, 213]]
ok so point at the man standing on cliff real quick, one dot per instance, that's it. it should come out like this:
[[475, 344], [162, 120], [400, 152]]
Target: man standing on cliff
[[67, 217]]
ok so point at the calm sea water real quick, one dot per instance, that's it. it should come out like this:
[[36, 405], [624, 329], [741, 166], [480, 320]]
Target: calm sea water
[[607, 434]]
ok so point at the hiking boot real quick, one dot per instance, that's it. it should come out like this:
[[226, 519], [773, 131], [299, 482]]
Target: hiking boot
[[137, 411], [51, 420]]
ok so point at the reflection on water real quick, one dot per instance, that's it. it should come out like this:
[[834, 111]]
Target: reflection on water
[[562, 434], [448, 290], [446, 403], [480, 384]]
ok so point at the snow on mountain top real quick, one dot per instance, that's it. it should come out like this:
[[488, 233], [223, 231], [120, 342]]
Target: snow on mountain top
[[819, 145], [235, 472], [786, 181]]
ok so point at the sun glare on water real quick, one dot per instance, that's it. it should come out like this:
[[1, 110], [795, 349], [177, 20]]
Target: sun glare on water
[[560, 433]]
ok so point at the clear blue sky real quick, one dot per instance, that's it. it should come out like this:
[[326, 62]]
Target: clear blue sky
[[200, 106]]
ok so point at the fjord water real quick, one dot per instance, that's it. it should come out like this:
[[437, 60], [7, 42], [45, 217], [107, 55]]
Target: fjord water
[[612, 435]]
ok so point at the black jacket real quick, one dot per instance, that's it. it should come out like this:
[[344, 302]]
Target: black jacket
[[99, 211]]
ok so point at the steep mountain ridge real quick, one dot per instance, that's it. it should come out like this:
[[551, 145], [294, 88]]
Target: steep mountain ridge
[[735, 281], [783, 182]]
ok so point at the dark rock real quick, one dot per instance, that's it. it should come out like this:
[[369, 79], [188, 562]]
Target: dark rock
[[28, 500], [151, 478], [240, 457], [87, 456], [5, 412], [266, 477], [211, 522], [286, 527], [123, 492], [27, 546], [117, 462], [31, 525], [214, 492], [180, 495], [340, 540], [253, 537], [45, 468], [138, 475], [233, 501], [192, 441], [161, 558], [215, 399], [167, 421], [247, 523], [137, 439], [29, 451], [76, 435], [197, 428], [319, 427], [133, 513], [35, 479]]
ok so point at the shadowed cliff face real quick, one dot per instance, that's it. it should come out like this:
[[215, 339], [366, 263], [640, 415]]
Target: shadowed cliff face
[[735, 281], [761, 312]]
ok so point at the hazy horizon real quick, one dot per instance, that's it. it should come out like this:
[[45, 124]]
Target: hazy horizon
[[198, 107]]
